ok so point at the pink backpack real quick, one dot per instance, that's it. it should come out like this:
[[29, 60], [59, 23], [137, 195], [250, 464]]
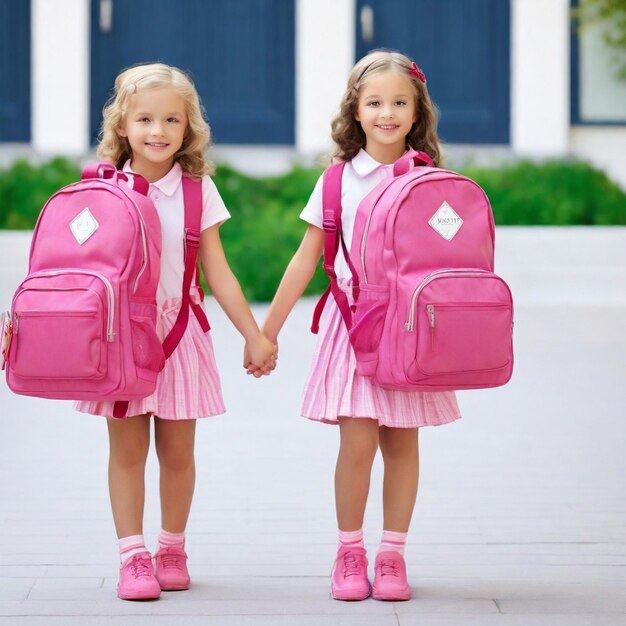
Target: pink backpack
[[429, 313], [83, 322]]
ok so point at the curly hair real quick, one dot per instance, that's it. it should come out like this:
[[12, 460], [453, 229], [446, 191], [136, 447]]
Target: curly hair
[[117, 150], [347, 133]]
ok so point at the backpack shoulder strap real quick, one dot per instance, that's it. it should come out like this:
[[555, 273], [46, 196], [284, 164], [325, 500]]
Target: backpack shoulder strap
[[192, 198], [192, 194], [333, 238]]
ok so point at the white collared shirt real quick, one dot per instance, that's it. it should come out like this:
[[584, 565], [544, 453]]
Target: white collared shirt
[[167, 195], [360, 176]]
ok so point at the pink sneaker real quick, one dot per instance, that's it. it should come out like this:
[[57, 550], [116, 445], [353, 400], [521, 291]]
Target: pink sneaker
[[390, 581], [171, 569], [137, 581], [348, 580]]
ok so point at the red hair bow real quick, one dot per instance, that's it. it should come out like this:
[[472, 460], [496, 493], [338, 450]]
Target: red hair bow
[[415, 71]]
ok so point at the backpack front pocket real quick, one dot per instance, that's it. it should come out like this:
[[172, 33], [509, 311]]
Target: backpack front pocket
[[464, 337], [462, 320], [61, 326]]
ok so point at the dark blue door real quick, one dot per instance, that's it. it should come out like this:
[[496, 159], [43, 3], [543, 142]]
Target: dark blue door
[[15, 70], [240, 55], [463, 48]]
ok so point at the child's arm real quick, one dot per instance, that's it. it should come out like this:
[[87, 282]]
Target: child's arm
[[227, 291], [295, 280]]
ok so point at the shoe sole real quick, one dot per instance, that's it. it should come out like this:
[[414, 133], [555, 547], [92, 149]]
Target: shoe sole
[[176, 588], [146, 597], [391, 597], [350, 598]]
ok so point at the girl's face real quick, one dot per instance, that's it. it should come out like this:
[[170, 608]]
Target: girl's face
[[155, 125], [386, 110]]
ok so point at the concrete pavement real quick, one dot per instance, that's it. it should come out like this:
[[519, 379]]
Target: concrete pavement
[[520, 520]]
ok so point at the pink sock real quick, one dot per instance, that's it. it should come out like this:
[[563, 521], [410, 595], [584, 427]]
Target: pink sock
[[392, 541], [351, 538], [130, 546], [171, 540]]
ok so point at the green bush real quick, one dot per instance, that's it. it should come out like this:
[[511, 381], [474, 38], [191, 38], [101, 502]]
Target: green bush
[[554, 193], [265, 230], [24, 189]]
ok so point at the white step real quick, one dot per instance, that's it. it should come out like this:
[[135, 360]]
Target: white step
[[582, 266], [571, 265]]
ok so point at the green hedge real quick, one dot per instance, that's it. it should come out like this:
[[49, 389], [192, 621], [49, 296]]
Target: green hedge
[[554, 193], [24, 189], [265, 229]]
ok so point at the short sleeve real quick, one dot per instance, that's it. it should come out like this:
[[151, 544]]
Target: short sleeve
[[313, 212], [214, 210]]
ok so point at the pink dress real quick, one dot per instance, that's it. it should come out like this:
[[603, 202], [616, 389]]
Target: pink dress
[[333, 389], [189, 385]]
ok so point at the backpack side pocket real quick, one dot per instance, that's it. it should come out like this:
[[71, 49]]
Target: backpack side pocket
[[367, 327]]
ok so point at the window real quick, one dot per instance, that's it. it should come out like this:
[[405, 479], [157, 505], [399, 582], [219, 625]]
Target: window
[[598, 96]]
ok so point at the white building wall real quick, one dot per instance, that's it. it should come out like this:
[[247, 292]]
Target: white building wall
[[60, 76], [540, 65], [325, 45], [603, 147]]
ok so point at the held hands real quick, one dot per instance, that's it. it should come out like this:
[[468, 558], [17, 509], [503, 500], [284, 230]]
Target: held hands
[[259, 356]]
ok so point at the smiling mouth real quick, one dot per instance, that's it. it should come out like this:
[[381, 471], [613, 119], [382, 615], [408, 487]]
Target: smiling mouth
[[157, 145], [388, 126]]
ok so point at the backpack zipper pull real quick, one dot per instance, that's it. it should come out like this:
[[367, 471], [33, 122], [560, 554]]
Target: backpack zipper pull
[[430, 309], [5, 339]]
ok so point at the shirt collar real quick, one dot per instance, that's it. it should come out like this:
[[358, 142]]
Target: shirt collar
[[365, 164], [169, 183]]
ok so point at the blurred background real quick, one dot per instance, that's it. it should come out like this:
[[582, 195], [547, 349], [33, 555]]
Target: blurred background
[[514, 76], [521, 517], [532, 100]]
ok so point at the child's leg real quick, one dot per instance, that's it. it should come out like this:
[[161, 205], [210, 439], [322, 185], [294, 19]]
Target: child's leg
[[399, 447], [174, 445], [175, 449], [129, 441], [359, 443]]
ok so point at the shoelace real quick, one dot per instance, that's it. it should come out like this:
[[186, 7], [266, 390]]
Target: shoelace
[[353, 563], [170, 560], [141, 567], [388, 568]]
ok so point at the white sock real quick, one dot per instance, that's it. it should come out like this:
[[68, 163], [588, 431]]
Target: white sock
[[131, 545]]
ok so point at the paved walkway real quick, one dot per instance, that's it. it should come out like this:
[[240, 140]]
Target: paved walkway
[[521, 516]]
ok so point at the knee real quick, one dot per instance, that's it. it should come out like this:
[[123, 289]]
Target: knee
[[130, 453], [360, 449], [175, 458], [399, 444]]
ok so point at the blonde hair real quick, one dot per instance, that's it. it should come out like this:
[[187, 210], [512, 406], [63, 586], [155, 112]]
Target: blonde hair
[[346, 130], [117, 150]]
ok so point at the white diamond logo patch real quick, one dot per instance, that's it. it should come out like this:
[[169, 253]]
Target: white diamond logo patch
[[83, 226], [446, 221]]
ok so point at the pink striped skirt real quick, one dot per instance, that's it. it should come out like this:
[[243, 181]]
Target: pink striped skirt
[[333, 389], [189, 385]]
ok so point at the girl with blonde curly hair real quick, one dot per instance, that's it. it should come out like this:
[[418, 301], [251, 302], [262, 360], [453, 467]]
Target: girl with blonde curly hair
[[385, 110], [154, 126]]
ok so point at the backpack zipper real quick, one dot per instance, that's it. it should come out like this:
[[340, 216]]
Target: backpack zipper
[[105, 281], [371, 213], [410, 323], [142, 227], [144, 244], [364, 239]]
